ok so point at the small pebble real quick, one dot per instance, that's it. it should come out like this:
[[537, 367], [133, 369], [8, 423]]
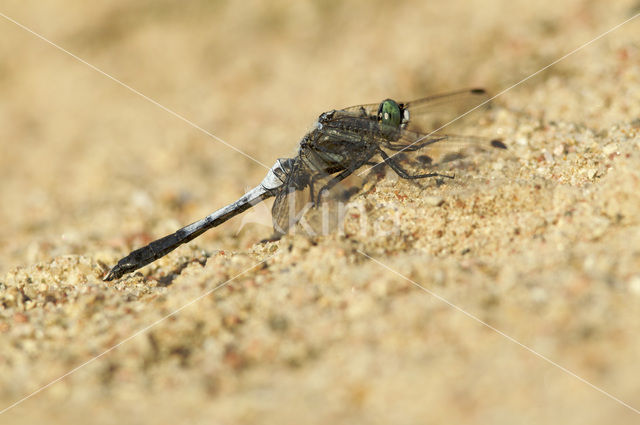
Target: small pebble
[[434, 201], [610, 148]]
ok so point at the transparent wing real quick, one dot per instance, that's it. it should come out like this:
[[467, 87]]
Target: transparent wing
[[433, 118], [411, 141], [289, 207], [446, 112], [295, 211], [443, 153], [435, 101], [433, 111]]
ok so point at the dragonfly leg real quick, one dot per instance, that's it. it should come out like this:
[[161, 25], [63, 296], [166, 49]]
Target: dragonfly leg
[[276, 236], [312, 193], [315, 199], [415, 146], [403, 173], [335, 180]]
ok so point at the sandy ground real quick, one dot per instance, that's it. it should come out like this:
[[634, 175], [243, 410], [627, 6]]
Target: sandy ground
[[541, 242]]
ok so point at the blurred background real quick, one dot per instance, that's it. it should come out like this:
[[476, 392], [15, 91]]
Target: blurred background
[[91, 169]]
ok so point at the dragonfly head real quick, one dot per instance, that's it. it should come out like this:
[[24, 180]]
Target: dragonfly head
[[392, 116]]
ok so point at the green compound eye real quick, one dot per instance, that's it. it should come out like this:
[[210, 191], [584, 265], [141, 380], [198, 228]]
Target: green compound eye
[[390, 114]]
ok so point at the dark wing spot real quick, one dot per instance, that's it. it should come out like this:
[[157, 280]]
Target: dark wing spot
[[497, 143], [424, 159]]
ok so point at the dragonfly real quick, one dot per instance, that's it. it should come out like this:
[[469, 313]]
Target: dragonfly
[[341, 142]]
